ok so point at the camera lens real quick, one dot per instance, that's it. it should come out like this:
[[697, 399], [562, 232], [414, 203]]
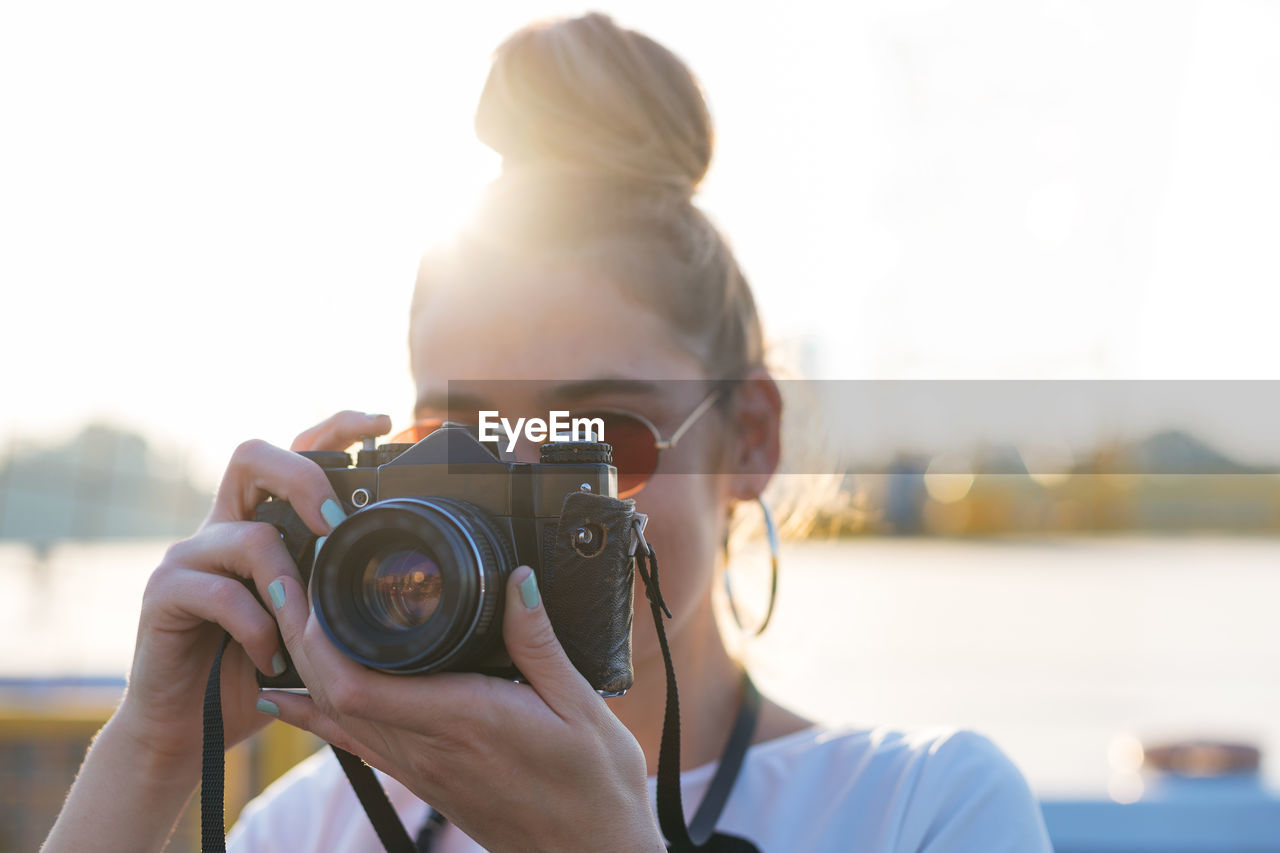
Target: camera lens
[[413, 585], [402, 586]]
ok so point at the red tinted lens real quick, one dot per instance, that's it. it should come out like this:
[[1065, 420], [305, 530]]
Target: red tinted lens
[[635, 454]]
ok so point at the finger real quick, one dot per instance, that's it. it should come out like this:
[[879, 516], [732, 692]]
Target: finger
[[252, 550], [301, 712], [341, 686], [207, 597], [340, 431], [536, 651], [258, 470]]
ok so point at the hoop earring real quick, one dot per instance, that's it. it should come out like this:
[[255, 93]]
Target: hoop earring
[[772, 533]]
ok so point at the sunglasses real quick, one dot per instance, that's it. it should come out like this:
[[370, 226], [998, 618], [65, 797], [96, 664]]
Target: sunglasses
[[635, 440]]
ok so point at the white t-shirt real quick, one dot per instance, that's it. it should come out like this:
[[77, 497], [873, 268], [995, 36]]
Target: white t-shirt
[[820, 789]]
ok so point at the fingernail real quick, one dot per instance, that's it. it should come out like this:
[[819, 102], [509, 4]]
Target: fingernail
[[277, 664], [275, 589], [332, 512], [266, 706], [371, 416], [529, 591], [319, 544]]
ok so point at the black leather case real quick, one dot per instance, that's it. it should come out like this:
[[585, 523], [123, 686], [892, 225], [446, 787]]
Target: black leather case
[[587, 587]]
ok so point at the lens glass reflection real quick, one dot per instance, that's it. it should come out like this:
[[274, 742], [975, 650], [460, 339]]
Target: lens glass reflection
[[402, 586]]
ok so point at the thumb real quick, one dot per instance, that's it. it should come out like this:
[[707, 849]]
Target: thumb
[[536, 651]]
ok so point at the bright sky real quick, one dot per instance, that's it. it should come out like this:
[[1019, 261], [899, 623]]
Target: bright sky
[[211, 216]]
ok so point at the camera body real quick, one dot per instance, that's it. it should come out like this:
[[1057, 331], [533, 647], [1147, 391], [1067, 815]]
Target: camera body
[[414, 580]]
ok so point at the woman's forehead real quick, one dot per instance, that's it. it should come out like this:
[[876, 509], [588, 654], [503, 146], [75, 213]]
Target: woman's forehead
[[569, 333]]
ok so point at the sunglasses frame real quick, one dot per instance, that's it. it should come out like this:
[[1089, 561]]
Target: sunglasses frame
[[660, 444], [658, 441]]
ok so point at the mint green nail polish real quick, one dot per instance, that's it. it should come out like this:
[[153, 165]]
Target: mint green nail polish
[[373, 416], [275, 589], [332, 512], [277, 664], [266, 706], [529, 591], [319, 544]]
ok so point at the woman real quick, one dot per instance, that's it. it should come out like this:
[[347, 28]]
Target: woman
[[586, 266]]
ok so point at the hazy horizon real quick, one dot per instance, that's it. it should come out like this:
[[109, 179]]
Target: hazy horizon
[[199, 213]]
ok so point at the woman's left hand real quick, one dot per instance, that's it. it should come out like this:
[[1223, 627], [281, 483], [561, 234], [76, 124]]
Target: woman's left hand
[[538, 766]]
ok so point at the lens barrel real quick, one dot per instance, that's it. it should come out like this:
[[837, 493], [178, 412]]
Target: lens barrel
[[412, 585]]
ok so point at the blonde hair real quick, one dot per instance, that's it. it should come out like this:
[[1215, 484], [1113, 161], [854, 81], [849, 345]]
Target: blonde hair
[[605, 136]]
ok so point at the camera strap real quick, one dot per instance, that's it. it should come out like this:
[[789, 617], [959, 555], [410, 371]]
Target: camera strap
[[699, 835], [213, 833], [213, 760]]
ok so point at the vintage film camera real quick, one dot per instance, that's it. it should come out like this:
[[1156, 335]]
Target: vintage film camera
[[414, 580]]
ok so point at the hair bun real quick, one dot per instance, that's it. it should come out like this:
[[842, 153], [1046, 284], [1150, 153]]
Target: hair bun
[[585, 95]]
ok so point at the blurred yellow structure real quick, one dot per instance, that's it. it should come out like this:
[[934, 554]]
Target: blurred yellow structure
[[42, 745], [991, 504]]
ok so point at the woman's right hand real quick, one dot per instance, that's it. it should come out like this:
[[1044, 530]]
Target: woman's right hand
[[197, 592]]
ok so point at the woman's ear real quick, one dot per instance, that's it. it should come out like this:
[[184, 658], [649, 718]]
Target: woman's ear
[[757, 418]]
